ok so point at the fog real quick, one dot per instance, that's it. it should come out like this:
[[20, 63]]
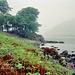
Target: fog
[[52, 12]]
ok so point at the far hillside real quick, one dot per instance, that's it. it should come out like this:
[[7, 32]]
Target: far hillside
[[66, 29]]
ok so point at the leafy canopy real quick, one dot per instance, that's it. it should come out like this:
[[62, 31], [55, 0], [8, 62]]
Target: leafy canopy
[[24, 23], [4, 6], [27, 21]]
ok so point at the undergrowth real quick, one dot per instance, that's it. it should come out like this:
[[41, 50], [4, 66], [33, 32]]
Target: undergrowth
[[19, 56]]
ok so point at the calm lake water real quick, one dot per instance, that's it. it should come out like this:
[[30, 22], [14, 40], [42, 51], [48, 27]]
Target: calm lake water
[[69, 44]]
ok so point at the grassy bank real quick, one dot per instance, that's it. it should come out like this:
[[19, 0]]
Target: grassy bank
[[18, 56]]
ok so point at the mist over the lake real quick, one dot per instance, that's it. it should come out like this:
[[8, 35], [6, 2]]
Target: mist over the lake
[[66, 29]]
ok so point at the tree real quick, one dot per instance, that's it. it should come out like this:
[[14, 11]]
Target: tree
[[13, 23], [4, 7], [2, 21], [8, 25], [24, 23], [29, 12], [27, 21]]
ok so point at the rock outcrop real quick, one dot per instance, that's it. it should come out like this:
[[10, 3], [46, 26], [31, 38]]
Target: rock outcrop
[[38, 37]]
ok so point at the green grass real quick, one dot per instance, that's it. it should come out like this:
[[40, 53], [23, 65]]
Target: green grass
[[17, 47]]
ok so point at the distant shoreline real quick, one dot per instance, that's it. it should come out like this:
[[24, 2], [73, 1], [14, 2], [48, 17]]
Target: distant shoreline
[[54, 41]]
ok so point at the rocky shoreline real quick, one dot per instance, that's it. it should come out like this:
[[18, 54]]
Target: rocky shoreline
[[69, 58]]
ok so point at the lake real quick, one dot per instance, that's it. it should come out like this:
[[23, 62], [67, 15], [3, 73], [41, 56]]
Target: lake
[[69, 44]]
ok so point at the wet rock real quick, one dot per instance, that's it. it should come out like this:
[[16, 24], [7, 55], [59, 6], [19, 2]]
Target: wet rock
[[72, 51], [73, 55], [69, 56], [64, 53], [52, 46], [55, 47], [72, 60], [58, 49], [42, 44]]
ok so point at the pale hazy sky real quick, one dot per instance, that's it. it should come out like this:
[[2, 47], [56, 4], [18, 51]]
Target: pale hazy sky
[[52, 12]]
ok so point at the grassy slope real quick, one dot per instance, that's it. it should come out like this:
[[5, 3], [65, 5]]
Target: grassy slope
[[23, 49]]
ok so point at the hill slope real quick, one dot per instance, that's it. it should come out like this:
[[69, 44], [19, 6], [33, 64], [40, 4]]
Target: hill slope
[[66, 29], [19, 57]]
